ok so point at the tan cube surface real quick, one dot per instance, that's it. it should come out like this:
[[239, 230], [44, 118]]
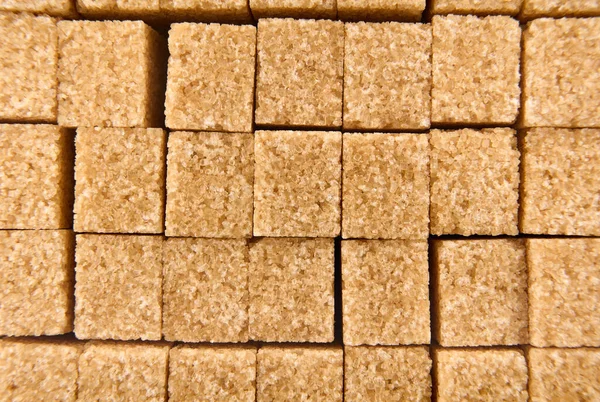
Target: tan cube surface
[[475, 70], [210, 83], [564, 292], [559, 8], [207, 10], [476, 7], [300, 73], [291, 290], [293, 8], [119, 8], [474, 182], [58, 8], [480, 292], [380, 10], [36, 296]]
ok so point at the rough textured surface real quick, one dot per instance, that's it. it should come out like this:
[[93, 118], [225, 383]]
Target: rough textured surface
[[207, 10], [564, 292], [120, 180], [381, 10], [218, 374], [36, 177], [119, 287], [36, 285], [474, 182], [382, 374], [481, 375], [291, 290], [481, 292], [58, 8], [477, 7], [475, 70], [293, 8], [300, 374], [561, 178], [205, 295], [210, 180], [119, 8], [385, 192], [385, 292], [559, 8], [297, 183], [300, 73], [210, 83]]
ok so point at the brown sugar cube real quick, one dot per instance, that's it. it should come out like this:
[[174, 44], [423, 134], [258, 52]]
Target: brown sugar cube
[[293, 8], [36, 177], [207, 10], [300, 73], [476, 7], [118, 294], [110, 74], [559, 8], [36, 282], [481, 375], [210, 84], [297, 183], [210, 184], [57, 8], [385, 292], [475, 70], [119, 8], [564, 292], [385, 191], [474, 182], [561, 178], [387, 374], [387, 76], [380, 10], [300, 374], [119, 180], [480, 292], [291, 290]]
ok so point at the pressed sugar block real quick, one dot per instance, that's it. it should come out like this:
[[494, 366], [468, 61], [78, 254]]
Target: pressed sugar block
[[110, 74], [476, 7], [36, 177], [58, 8], [293, 8], [119, 180], [210, 184], [385, 292], [300, 73], [475, 70], [205, 290], [297, 183], [382, 374], [564, 292], [207, 10], [385, 192], [474, 182], [36, 284], [480, 292], [118, 294], [210, 84], [119, 8], [291, 290], [559, 8], [561, 178], [381, 10], [300, 374], [387, 76]]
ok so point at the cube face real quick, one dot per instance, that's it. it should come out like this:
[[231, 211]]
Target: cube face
[[58, 8], [297, 183], [477, 7], [560, 181], [564, 292], [119, 8], [381, 10], [207, 10], [385, 193], [210, 84], [300, 85], [385, 292], [481, 292], [291, 290], [210, 184], [293, 8], [559, 8], [120, 184], [474, 182], [205, 290], [113, 271], [475, 70]]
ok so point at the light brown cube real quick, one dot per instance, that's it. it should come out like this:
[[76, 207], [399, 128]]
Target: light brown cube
[[57, 8], [118, 294], [480, 292], [476, 7], [474, 182], [385, 191], [210, 83], [559, 8], [475, 70], [293, 8], [119, 180], [300, 73], [291, 290], [564, 292], [380, 10], [36, 282], [297, 183], [120, 9], [385, 292], [210, 180], [207, 10]]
